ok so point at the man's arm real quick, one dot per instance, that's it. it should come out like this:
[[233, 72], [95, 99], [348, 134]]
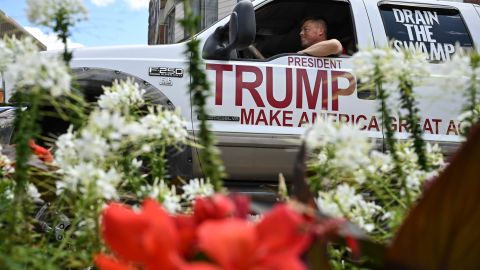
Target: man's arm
[[324, 48]]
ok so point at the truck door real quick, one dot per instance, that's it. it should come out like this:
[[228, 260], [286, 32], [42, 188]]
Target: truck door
[[260, 107], [434, 29]]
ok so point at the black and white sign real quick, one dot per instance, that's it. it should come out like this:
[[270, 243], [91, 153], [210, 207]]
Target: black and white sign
[[434, 32]]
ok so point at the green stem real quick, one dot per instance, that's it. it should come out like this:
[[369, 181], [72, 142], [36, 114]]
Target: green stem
[[26, 128], [209, 156], [408, 103], [159, 163], [389, 132]]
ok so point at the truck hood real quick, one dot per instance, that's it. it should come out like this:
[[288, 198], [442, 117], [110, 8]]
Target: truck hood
[[168, 51]]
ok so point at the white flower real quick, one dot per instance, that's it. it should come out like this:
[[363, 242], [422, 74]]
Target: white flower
[[21, 46], [11, 48], [6, 165], [122, 95], [32, 191], [160, 124], [6, 55], [9, 195], [137, 163], [435, 155], [414, 180], [107, 183], [65, 145], [44, 12], [47, 72], [456, 73], [92, 146], [76, 176], [166, 195], [379, 162], [172, 204], [197, 188], [88, 177], [111, 124], [470, 117], [415, 67], [342, 148], [343, 201], [389, 66]]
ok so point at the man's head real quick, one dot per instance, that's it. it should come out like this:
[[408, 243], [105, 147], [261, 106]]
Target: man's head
[[313, 30]]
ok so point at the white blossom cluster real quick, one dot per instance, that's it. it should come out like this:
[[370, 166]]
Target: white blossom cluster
[[344, 201], [197, 188], [111, 131], [124, 94], [386, 60], [28, 70], [6, 55], [6, 165], [12, 47], [468, 118], [457, 72], [168, 196], [31, 191], [34, 71], [338, 148], [415, 67], [173, 202], [350, 172], [45, 12], [415, 177], [88, 177], [389, 66]]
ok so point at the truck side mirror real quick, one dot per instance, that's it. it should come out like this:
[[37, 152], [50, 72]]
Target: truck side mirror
[[241, 33]]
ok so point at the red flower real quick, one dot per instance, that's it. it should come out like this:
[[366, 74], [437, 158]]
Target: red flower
[[284, 221], [41, 152], [148, 238], [231, 243], [214, 207], [220, 206], [186, 227], [151, 239], [110, 263], [275, 243], [242, 205]]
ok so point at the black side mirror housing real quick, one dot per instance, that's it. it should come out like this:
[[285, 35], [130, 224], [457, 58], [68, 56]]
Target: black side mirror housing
[[241, 33]]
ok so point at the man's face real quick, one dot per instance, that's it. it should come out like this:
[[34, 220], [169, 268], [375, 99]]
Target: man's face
[[311, 33]]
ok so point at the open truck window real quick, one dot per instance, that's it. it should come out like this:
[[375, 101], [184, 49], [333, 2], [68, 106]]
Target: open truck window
[[279, 23], [278, 26]]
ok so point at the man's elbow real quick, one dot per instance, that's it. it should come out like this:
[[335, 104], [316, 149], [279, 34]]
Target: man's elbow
[[337, 46]]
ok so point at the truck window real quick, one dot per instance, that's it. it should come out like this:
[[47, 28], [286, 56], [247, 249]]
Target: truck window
[[279, 23], [431, 30]]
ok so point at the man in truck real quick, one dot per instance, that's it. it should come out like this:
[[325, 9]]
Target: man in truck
[[313, 37]]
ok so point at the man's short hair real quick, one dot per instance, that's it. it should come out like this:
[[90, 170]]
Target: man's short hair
[[318, 20]]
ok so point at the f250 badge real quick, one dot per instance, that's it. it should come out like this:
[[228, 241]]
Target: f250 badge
[[166, 72]]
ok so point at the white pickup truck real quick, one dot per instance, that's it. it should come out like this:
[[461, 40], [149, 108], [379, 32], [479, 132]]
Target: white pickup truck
[[259, 107]]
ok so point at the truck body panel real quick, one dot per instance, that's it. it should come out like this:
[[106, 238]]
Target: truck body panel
[[259, 109]]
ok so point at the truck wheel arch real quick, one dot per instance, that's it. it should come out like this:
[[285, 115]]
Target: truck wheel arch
[[90, 81]]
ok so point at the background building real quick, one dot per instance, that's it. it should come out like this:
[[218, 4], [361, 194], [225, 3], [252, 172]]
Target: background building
[[9, 27], [165, 14]]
